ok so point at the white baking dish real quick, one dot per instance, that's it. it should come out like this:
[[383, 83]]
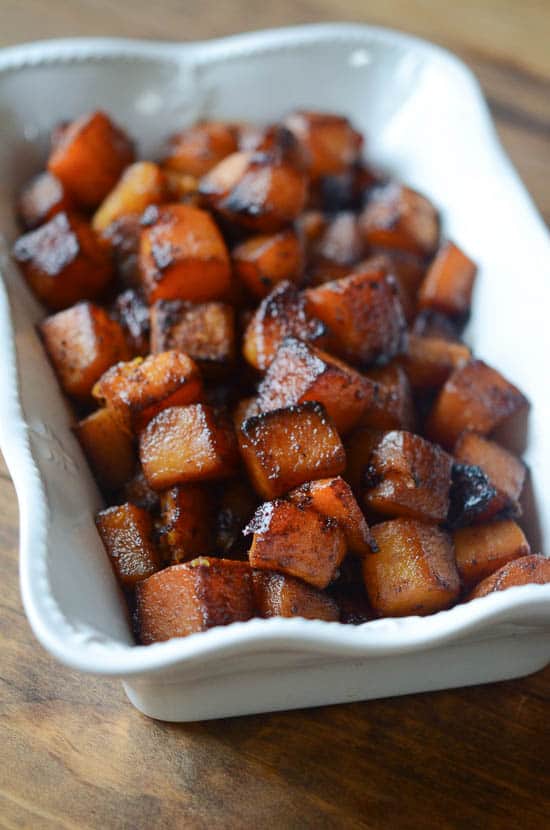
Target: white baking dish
[[426, 120]]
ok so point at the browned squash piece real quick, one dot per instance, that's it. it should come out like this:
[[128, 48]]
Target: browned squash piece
[[297, 541], [505, 471], [235, 508], [185, 444], [398, 217], [260, 191], [281, 314], [192, 597], [142, 184], [245, 408], [141, 388], [280, 595], [274, 139], [132, 313], [137, 491], [204, 331], [482, 549], [123, 236], [89, 157], [430, 360], [182, 255], [408, 476], [359, 446], [527, 570], [329, 141], [300, 372], [391, 405], [195, 150], [475, 397], [42, 198], [186, 523], [108, 448], [263, 261], [333, 497], [414, 571], [449, 282], [126, 532], [82, 342], [363, 315], [63, 261], [287, 447], [339, 249]]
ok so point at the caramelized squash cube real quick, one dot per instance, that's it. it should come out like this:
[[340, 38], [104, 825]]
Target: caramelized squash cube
[[409, 477], [300, 372], [141, 388], [235, 508], [287, 447], [533, 569], [398, 217], [475, 397], [297, 541], [265, 260], [133, 315], [280, 595], [142, 184], [192, 597], [391, 405], [182, 255], [41, 199], [281, 314], [449, 282], [338, 250], [108, 447], [414, 571], [186, 444], [430, 360], [123, 237], [63, 261], [470, 496], [89, 157], [505, 471], [126, 532], [329, 141], [82, 342], [195, 150], [363, 314], [185, 527], [482, 549]]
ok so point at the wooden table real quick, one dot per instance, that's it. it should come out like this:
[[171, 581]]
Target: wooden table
[[75, 754]]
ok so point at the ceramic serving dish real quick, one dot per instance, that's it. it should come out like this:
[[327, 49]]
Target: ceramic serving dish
[[425, 120]]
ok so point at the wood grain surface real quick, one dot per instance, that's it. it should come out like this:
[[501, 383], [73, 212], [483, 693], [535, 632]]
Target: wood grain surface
[[75, 754]]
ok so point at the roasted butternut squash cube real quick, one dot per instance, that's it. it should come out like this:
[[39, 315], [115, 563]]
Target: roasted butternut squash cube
[[363, 314], [329, 141], [41, 199], [260, 191], [235, 509], [132, 313], [430, 360], [63, 261], [470, 496], [414, 570], [122, 237], [142, 184], [408, 476], [300, 372], [137, 491], [183, 256], [186, 523], [126, 532], [398, 217], [275, 139], [338, 250], [505, 471], [265, 260], [482, 549], [281, 314], [204, 331], [533, 569], [108, 447], [280, 595], [195, 150], [89, 157], [333, 497], [287, 447], [297, 541], [475, 397], [359, 446], [186, 444], [82, 342], [449, 282], [192, 597], [391, 405], [141, 388]]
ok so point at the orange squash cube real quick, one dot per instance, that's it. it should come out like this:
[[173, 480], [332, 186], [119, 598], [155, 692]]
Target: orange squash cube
[[186, 444], [192, 597], [287, 447], [391, 405], [527, 570], [483, 549], [414, 570], [142, 184], [280, 595], [108, 447], [182, 255], [41, 199], [185, 527], [265, 260], [297, 541], [195, 150], [89, 156], [126, 532], [398, 217], [329, 142], [430, 360], [449, 282], [82, 342], [505, 471]]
